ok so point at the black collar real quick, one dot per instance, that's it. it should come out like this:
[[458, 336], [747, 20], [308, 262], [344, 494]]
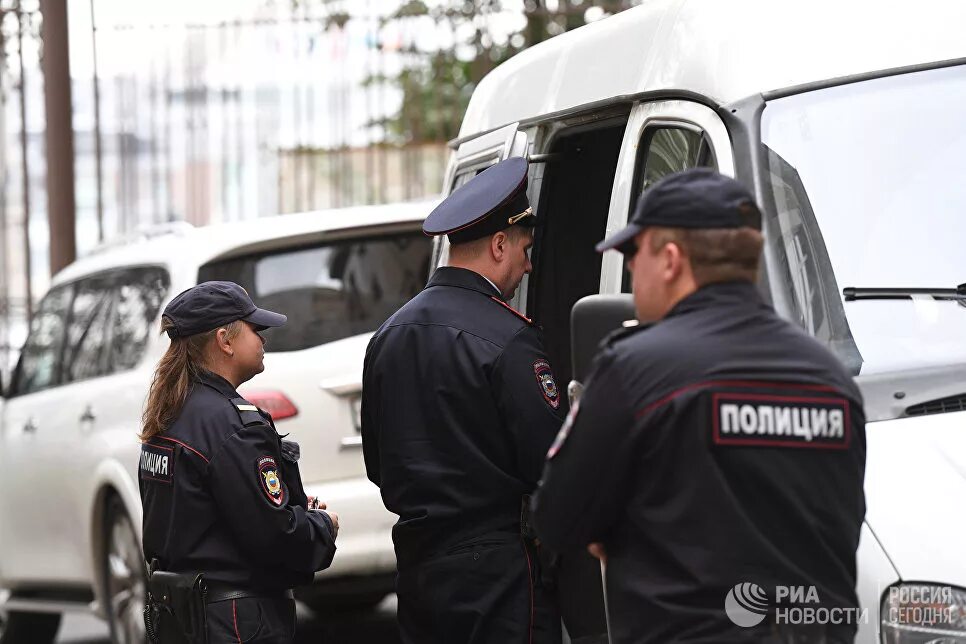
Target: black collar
[[718, 294], [463, 278], [217, 383]]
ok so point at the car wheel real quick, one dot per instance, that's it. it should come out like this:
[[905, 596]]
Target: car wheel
[[36, 628], [123, 576]]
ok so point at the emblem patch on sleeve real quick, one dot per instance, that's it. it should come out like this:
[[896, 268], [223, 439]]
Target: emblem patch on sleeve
[[156, 463], [760, 420], [269, 479], [548, 386]]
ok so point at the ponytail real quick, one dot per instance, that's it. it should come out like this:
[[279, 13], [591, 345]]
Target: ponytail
[[179, 367]]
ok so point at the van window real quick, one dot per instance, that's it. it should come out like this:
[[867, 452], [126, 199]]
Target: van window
[[40, 359], [462, 176], [330, 291], [666, 150]]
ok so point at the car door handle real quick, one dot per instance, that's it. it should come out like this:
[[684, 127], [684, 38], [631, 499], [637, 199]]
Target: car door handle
[[88, 416], [30, 426], [342, 387], [351, 442]]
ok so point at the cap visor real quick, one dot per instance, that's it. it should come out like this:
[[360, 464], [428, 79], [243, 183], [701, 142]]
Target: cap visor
[[619, 241], [265, 319]]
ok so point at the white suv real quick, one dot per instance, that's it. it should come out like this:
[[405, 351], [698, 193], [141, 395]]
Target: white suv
[[71, 514]]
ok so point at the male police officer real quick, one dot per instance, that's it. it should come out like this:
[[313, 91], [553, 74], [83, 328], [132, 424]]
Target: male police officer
[[459, 407], [717, 449]]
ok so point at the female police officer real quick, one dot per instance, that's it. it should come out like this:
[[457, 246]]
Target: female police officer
[[221, 491]]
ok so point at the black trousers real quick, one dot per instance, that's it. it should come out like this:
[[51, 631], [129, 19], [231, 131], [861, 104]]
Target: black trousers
[[484, 591], [259, 620]]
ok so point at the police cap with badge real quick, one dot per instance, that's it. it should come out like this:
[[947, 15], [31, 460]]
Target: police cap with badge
[[696, 198], [490, 202], [210, 305]]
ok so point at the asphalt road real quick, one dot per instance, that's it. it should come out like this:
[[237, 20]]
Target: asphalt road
[[373, 627]]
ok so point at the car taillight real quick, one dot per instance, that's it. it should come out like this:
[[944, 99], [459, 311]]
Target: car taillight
[[274, 402]]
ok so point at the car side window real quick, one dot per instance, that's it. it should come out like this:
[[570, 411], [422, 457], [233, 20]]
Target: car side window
[[87, 330], [138, 295], [665, 150], [40, 359]]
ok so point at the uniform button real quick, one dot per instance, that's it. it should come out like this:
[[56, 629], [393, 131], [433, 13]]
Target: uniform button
[[476, 556]]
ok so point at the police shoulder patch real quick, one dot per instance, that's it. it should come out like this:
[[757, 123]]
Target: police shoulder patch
[[268, 478], [156, 463], [548, 386]]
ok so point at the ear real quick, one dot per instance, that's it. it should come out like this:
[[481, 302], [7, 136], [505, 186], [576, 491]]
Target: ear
[[674, 261], [498, 245], [223, 342]]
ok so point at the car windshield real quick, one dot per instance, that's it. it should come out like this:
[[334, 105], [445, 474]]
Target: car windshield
[[868, 189]]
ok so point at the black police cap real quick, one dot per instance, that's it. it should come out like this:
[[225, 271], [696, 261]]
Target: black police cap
[[210, 305], [695, 198], [491, 201]]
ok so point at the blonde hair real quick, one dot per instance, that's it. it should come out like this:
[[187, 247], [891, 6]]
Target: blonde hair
[[716, 254], [179, 367]]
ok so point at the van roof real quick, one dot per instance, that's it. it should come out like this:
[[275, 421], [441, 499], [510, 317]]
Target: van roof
[[200, 245], [724, 51]]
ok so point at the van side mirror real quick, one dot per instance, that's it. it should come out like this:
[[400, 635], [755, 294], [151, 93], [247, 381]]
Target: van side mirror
[[592, 319]]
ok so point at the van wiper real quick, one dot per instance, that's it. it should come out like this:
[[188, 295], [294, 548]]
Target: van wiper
[[852, 293]]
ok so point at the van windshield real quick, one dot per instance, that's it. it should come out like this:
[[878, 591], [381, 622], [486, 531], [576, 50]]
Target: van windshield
[[868, 189]]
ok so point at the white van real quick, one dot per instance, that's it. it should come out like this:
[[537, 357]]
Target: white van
[[849, 121], [70, 512]]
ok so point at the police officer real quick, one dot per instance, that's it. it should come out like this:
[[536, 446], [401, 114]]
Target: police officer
[[718, 450], [459, 407], [221, 490]]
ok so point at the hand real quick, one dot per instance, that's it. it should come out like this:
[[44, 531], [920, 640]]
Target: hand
[[335, 522], [598, 552]]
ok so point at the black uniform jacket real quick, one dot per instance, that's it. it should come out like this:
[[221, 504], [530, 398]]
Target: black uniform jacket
[[222, 496], [720, 446], [459, 406]]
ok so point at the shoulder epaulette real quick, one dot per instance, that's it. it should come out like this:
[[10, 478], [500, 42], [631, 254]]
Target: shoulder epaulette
[[249, 413], [624, 332], [511, 309]]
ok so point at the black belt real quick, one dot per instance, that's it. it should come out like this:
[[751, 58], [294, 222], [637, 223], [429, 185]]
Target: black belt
[[218, 592]]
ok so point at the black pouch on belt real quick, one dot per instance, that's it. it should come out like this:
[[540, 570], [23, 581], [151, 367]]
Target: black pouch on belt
[[175, 612]]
